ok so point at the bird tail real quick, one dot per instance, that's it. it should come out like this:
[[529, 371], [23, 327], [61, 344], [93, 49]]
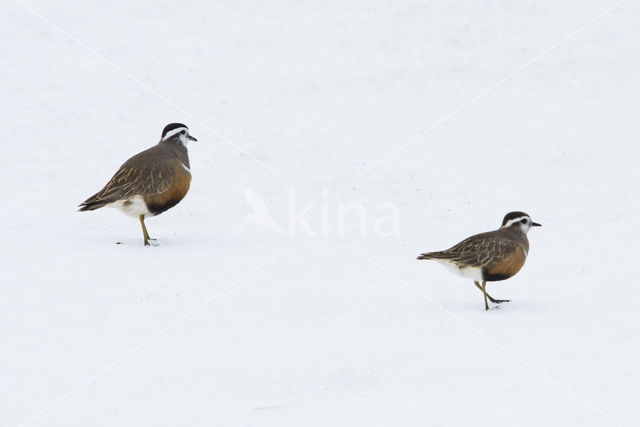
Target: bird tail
[[432, 255], [92, 203]]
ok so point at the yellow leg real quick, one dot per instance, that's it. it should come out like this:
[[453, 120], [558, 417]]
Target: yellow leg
[[493, 300], [484, 291], [144, 231]]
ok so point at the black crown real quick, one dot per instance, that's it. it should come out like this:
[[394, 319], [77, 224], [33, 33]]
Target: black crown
[[172, 126], [513, 215]]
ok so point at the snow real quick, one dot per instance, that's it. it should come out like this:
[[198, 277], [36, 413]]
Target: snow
[[330, 117]]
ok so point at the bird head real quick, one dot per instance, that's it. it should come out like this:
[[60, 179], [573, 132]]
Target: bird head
[[519, 221], [177, 132]]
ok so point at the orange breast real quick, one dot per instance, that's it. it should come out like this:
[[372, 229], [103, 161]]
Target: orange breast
[[159, 203], [505, 268]]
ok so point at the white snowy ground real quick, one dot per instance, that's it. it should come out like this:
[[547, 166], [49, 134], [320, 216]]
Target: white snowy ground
[[212, 328]]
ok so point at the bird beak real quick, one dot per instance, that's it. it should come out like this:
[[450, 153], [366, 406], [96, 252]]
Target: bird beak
[[535, 224], [192, 138]]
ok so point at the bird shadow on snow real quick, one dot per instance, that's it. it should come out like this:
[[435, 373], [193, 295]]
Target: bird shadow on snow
[[162, 242], [514, 306], [172, 242]]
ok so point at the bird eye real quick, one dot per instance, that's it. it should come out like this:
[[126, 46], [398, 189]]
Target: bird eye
[[524, 221], [183, 132]]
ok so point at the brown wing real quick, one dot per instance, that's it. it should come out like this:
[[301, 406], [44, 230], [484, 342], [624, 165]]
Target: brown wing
[[137, 176], [477, 251]]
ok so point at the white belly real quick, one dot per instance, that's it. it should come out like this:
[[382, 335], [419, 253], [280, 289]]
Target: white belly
[[134, 206], [473, 273]]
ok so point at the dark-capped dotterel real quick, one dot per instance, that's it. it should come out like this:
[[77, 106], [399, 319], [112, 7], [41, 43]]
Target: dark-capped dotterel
[[150, 182], [490, 257]]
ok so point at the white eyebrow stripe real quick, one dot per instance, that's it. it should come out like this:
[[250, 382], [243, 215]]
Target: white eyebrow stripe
[[514, 220], [174, 132]]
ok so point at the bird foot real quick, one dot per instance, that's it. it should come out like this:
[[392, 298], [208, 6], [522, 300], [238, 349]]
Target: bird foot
[[151, 242]]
